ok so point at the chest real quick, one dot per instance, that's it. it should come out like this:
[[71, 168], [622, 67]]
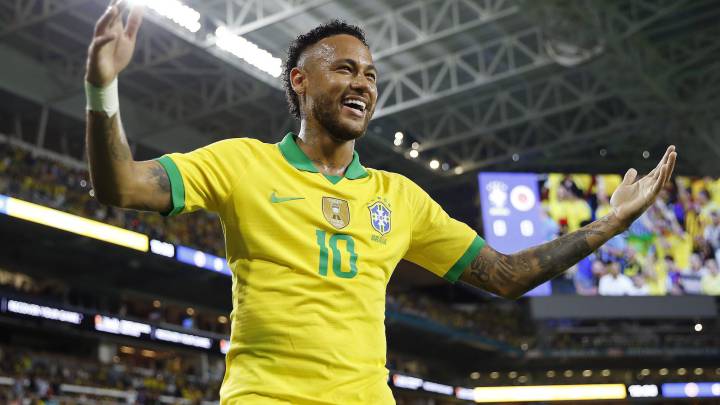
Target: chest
[[330, 229]]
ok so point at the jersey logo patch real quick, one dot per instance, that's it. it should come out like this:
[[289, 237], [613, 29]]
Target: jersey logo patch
[[380, 217], [336, 211]]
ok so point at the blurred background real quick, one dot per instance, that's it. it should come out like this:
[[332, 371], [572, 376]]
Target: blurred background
[[518, 117]]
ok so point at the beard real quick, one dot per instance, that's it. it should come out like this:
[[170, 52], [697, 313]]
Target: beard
[[326, 112]]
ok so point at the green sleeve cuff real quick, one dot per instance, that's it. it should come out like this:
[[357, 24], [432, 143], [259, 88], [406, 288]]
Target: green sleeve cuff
[[464, 261], [177, 188]]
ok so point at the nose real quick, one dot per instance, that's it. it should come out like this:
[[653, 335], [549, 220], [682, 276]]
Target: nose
[[360, 83]]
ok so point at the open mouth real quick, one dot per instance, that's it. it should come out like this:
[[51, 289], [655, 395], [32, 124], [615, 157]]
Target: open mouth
[[355, 106]]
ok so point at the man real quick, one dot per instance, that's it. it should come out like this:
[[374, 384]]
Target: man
[[710, 283], [614, 282], [311, 235]]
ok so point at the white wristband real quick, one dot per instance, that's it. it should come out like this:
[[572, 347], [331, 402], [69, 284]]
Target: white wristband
[[103, 99]]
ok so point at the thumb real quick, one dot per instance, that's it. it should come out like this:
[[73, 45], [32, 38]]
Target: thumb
[[630, 177]]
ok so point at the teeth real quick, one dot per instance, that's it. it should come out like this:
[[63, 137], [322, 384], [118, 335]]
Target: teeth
[[357, 103]]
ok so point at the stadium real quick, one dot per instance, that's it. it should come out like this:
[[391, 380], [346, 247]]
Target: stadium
[[519, 118]]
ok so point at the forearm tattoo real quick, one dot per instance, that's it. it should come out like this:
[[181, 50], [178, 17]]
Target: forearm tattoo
[[513, 275]]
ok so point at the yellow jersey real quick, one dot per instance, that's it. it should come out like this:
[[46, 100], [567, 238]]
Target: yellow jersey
[[311, 256]]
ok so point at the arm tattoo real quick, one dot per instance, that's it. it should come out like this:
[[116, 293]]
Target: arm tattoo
[[159, 177], [117, 144], [513, 275]]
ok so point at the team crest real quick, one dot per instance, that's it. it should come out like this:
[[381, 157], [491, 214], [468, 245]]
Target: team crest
[[380, 217], [336, 211]]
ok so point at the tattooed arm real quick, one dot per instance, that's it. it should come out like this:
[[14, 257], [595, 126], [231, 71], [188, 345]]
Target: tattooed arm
[[511, 276], [117, 179]]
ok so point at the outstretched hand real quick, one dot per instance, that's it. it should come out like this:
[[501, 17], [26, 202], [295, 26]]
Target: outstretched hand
[[633, 197], [113, 43]]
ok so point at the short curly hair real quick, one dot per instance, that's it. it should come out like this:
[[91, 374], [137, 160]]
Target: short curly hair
[[304, 41]]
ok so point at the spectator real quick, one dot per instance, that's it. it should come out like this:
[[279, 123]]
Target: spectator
[[711, 281], [615, 283]]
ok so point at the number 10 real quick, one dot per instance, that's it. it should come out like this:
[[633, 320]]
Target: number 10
[[336, 255]]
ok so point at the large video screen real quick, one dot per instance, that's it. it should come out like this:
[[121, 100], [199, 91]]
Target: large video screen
[[670, 250]]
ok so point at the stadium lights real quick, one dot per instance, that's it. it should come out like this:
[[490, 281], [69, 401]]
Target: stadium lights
[[248, 51], [72, 223], [399, 135], [698, 327], [434, 164], [414, 153], [174, 10], [550, 393], [415, 145], [459, 170], [397, 141]]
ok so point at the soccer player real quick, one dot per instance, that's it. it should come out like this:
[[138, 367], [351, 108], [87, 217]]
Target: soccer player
[[312, 236]]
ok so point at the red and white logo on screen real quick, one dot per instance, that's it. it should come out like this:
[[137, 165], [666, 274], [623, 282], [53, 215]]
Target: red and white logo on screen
[[522, 198]]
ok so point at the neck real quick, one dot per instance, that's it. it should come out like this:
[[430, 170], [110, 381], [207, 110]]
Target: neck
[[329, 155]]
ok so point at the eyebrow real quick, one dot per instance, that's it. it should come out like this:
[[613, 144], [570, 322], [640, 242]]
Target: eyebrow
[[354, 63]]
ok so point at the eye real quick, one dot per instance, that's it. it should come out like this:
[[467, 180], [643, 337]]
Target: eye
[[344, 68], [372, 77]]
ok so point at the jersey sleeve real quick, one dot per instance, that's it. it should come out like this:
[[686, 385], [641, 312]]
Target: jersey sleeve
[[203, 178], [439, 243]]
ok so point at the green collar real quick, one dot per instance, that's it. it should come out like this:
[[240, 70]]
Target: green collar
[[296, 157]]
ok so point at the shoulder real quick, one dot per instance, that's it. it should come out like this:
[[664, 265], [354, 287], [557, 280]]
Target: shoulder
[[391, 178], [238, 143], [238, 149]]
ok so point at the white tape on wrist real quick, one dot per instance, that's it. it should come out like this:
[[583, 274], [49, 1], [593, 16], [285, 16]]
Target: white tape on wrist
[[103, 99]]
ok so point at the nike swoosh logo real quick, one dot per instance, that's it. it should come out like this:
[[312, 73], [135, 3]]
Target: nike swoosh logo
[[275, 199]]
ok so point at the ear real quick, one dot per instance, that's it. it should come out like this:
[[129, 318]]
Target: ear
[[298, 80]]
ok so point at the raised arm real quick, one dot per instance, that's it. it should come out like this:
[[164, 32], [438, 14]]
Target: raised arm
[[513, 275], [118, 179]]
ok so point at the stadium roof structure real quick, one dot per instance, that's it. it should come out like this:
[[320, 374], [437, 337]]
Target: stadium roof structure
[[495, 85]]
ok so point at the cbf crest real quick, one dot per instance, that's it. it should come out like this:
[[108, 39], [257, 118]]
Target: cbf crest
[[336, 211], [380, 217]]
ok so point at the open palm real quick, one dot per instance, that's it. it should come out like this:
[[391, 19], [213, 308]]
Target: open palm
[[633, 197], [113, 44]]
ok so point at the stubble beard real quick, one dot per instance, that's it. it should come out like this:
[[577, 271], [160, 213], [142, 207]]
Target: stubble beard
[[325, 114]]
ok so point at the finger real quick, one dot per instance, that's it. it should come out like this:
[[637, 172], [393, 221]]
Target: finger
[[666, 156], [671, 162], [630, 176], [117, 17], [133, 22], [105, 20], [122, 5], [660, 181]]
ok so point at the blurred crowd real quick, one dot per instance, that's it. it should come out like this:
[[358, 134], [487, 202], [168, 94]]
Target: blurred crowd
[[39, 377], [54, 184], [503, 322], [672, 249]]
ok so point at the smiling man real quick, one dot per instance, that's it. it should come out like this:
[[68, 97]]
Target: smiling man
[[312, 236]]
